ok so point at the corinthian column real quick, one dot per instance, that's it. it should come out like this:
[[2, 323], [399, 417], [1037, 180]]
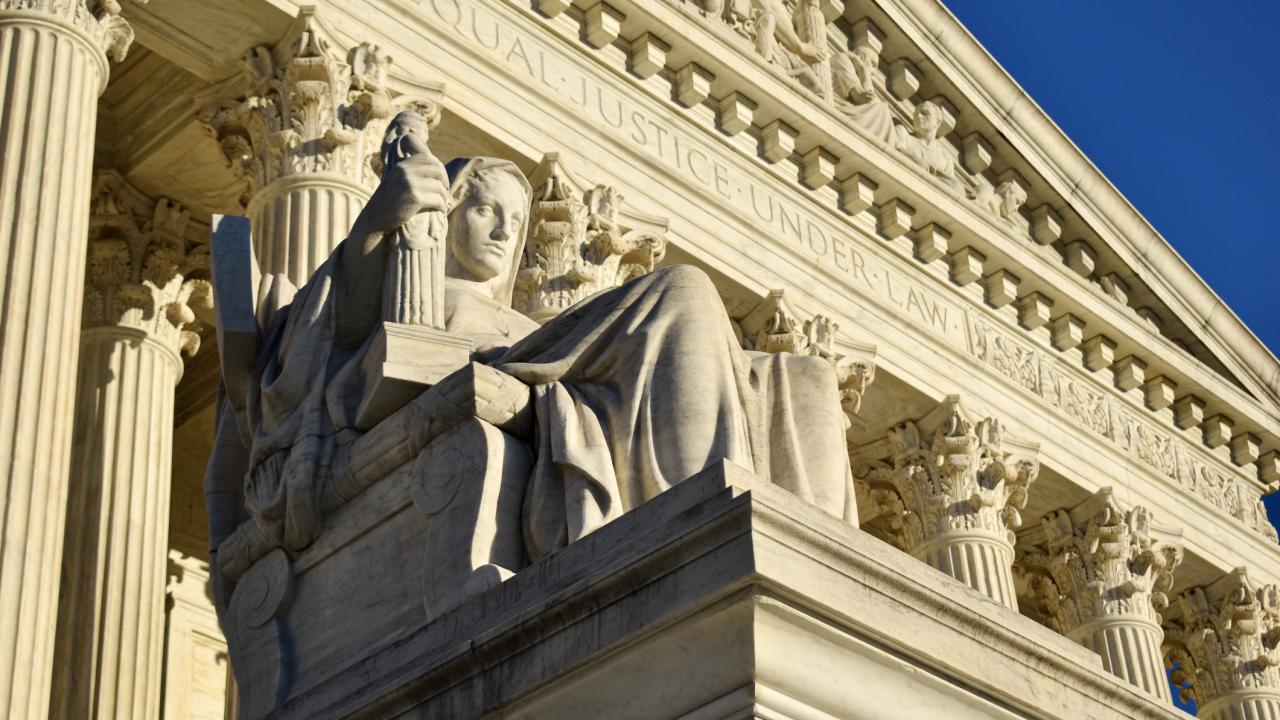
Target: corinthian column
[[138, 298], [947, 491], [53, 66], [1224, 639], [302, 126], [1095, 574]]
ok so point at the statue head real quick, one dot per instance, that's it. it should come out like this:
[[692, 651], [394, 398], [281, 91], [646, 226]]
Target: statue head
[[1012, 197], [487, 223], [928, 120]]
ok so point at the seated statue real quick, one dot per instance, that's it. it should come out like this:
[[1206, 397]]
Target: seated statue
[[633, 390], [853, 75]]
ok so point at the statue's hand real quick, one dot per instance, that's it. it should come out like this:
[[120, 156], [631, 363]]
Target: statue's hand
[[413, 185]]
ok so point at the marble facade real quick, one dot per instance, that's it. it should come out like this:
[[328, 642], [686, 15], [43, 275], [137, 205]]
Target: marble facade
[[1057, 436]]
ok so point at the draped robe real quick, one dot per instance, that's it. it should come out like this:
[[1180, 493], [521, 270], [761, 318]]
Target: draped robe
[[635, 389]]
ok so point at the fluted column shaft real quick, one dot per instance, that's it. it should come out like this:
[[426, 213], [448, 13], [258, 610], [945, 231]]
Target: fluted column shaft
[[111, 611], [1130, 650], [1098, 573], [298, 220], [1261, 704], [51, 73], [982, 561]]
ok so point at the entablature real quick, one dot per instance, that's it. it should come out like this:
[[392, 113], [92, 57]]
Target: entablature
[[508, 42], [1086, 286]]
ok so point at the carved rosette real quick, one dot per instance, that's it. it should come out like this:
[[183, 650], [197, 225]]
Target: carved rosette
[[951, 497], [307, 107], [98, 19], [1223, 638], [580, 243], [774, 326], [143, 272]]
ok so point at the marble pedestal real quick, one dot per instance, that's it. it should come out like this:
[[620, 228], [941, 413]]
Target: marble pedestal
[[725, 597]]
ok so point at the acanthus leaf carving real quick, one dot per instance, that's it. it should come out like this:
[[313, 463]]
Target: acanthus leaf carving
[[144, 271], [774, 326], [1224, 639], [580, 242], [956, 477], [306, 106], [1096, 561], [100, 19]]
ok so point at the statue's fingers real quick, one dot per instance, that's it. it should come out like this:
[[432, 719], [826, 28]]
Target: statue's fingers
[[412, 145]]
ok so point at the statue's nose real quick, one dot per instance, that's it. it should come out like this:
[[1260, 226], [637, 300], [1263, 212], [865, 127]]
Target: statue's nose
[[502, 231]]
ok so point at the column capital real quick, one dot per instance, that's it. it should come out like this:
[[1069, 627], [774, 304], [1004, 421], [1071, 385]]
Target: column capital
[[1224, 637], [146, 269], [584, 240], [100, 20], [1097, 562], [773, 325], [947, 474], [309, 105]]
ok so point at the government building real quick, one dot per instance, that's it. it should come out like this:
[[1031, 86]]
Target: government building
[[626, 359]]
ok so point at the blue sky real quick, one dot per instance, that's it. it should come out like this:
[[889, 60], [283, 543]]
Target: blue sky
[[1150, 92]]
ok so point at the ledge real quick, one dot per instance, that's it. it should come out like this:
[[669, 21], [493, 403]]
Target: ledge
[[721, 596]]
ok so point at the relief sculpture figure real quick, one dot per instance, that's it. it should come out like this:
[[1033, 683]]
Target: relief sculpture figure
[[633, 389], [795, 41], [853, 75], [922, 142]]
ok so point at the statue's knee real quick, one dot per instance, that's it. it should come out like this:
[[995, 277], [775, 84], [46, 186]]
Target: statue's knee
[[688, 278]]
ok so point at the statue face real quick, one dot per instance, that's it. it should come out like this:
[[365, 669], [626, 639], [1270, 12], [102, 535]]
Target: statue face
[[483, 229], [928, 119]]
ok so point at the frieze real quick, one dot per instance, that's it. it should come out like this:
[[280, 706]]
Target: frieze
[[1036, 372]]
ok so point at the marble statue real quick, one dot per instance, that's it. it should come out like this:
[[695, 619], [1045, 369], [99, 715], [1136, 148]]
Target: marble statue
[[633, 390], [853, 76], [1003, 200], [923, 143], [795, 40]]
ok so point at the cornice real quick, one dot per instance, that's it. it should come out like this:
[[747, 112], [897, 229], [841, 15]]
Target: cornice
[[1078, 180]]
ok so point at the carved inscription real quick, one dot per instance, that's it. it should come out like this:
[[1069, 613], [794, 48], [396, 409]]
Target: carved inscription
[[1047, 377], [821, 239]]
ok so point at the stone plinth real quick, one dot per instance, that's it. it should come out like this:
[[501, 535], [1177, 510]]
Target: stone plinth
[[724, 597]]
